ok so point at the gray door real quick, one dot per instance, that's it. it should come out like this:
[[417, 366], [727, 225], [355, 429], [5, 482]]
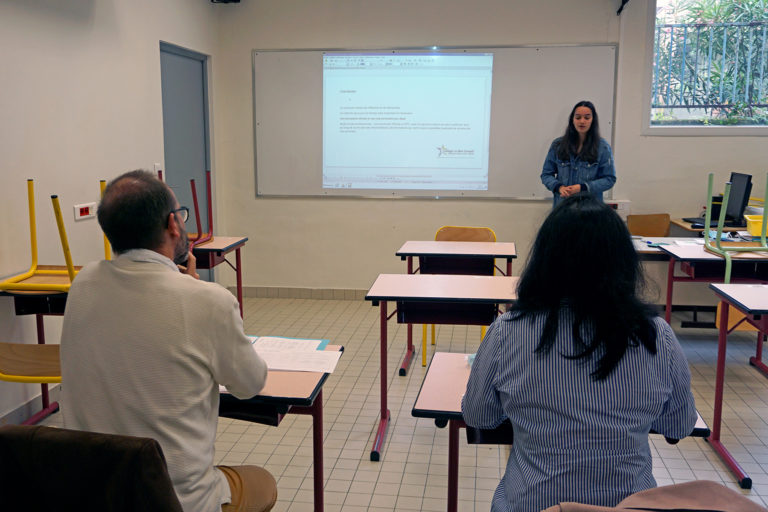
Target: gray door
[[185, 128]]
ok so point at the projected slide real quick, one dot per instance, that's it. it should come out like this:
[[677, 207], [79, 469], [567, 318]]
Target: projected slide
[[406, 121]]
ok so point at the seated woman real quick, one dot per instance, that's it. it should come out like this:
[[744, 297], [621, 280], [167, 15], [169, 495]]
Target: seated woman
[[582, 368]]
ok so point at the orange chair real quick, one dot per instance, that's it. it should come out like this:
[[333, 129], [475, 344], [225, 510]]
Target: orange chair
[[653, 224], [458, 265]]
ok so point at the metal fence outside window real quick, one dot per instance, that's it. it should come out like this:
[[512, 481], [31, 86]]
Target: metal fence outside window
[[710, 70]]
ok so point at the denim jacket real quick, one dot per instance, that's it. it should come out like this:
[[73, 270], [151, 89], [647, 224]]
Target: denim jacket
[[598, 176]]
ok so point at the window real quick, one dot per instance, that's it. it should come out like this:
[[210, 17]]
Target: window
[[710, 64]]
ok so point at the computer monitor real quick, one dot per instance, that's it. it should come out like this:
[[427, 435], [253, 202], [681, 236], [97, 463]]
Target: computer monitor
[[741, 187]]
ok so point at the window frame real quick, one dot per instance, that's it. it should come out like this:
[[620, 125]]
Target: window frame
[[648, 129]]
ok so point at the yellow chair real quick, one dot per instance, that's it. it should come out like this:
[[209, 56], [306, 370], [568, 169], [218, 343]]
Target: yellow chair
[[653, 224], [31, 364], [458, 265], [44, 278]]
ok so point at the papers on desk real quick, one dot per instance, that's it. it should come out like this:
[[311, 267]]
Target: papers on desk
[[301, 355]]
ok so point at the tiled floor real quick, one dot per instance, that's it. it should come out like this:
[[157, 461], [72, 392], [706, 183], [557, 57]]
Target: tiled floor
[[413, 472]]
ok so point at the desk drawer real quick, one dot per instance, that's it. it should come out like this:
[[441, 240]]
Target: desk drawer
[[447, 313]]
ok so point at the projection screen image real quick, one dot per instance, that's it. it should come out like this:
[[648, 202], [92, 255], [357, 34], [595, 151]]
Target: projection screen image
[[418, 121]]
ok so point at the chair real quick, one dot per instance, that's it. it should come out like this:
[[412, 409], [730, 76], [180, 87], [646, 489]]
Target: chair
[[458, 265], [32, 364], [45, 468], [653, 224]]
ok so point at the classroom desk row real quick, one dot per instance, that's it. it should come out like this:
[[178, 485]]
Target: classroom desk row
[[474, 300], [437, 299]]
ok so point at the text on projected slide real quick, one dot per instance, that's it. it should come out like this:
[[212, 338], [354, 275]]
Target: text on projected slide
[[415, 121]]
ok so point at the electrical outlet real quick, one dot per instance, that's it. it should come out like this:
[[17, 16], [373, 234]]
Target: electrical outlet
[[85, 211]]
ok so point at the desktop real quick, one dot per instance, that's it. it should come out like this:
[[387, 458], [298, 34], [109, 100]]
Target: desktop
[[741, 187]]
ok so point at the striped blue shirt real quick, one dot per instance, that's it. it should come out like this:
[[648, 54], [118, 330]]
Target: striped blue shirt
[[575, 439]]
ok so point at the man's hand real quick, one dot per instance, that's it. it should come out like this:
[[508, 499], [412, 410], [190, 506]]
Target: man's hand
[[191, 267]]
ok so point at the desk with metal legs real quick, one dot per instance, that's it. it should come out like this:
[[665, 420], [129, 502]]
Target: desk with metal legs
[[452, 257], [700, 265], [214, 251], [752, 301], [440, 398], [448, 249], [287, 392], [433, 299]]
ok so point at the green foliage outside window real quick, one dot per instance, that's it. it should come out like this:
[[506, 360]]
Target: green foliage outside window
[[710, 63]]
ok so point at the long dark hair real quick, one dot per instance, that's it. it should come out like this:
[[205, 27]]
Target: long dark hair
[[583, 259], [569, 142]]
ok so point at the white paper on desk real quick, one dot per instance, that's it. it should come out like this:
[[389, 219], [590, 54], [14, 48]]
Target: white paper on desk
[[693, 241], [316, 361], [275, 344]]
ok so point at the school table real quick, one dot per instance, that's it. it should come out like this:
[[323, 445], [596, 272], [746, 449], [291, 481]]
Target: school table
[[287, 392], [443, 250], [453, 257], [752, 301], [433, 299], [440, 398], [700, 265], [214, 251]]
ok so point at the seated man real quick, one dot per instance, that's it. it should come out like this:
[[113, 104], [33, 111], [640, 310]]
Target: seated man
[[145, 345]]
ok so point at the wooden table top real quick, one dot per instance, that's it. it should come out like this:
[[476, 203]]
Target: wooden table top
[[221, 243], [750, 298], [466, 249], [699, 252], [443, 288], [282, 385]]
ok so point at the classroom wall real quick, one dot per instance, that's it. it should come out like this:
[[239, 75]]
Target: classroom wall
[[79, 101], [345, 243]]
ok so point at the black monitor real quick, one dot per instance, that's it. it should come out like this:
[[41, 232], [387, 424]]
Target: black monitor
[[741, 187]]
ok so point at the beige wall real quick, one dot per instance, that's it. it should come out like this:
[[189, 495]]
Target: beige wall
[[346, 243], [79, 101]]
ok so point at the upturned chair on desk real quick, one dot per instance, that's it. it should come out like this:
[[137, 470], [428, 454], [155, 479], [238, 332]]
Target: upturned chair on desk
[[457, 265], [41, 290]]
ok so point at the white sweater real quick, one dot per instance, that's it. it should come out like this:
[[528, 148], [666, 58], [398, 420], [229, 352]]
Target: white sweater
[[143, 351]]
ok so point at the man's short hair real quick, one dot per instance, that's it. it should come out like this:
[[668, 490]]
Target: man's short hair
[[134, 211]]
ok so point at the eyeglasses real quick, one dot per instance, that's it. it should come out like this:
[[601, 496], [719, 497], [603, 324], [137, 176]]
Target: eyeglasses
[[182, 212]]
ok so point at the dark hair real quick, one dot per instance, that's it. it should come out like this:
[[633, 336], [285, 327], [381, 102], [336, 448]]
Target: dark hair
[[569, 142], [583, 259], [134, 211]]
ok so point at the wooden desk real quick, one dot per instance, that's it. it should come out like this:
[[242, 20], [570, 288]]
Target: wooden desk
[[752, 301], [440, 398], [287, 392], [700, 265], [214, 251], [688, 226], [470, 250], [438, 299]]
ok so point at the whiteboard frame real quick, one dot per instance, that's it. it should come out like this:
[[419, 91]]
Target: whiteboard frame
[[390, 194]]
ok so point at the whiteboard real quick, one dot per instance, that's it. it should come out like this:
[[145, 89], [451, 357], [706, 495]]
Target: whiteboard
[[534, 90]]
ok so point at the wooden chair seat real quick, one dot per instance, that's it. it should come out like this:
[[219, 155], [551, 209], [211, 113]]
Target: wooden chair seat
[[30, 363]]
